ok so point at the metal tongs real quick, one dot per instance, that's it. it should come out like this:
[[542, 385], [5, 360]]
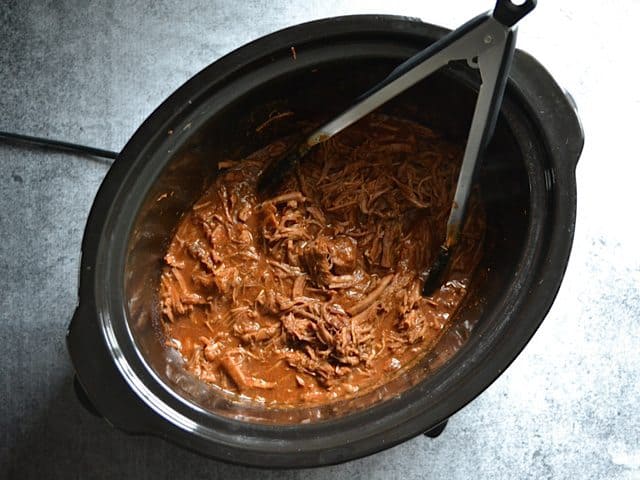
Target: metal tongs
[[487, 43]]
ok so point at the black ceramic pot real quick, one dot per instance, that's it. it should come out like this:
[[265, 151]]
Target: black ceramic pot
[[527, 182]]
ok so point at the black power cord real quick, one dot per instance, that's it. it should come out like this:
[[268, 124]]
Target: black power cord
[[57, 145]]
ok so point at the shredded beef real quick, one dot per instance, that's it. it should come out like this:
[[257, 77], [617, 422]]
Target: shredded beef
[[314, 294]]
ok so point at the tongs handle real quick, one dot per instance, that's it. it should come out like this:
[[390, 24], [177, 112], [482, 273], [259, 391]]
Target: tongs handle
[[508, 13], [505, 12]]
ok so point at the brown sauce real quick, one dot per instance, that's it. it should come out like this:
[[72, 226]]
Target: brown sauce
[[314, 295]]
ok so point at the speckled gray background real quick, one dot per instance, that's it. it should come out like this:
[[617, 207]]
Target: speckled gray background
[[92, 71]]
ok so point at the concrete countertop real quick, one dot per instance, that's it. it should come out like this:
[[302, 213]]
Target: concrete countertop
[[90, 72]]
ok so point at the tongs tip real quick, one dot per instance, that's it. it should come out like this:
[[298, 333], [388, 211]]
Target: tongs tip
[[434, 275], [271, 178]]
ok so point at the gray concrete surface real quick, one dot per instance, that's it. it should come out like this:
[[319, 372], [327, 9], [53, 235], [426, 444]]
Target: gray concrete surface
[[91, 71]]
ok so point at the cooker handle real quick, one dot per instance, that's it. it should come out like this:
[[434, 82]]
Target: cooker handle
[[554, 108], [99, 386]]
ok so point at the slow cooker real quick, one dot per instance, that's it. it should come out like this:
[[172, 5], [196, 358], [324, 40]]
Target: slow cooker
[[125, 373]]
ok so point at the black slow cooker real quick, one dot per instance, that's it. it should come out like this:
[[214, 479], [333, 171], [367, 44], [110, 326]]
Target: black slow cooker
[[528, 186]]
